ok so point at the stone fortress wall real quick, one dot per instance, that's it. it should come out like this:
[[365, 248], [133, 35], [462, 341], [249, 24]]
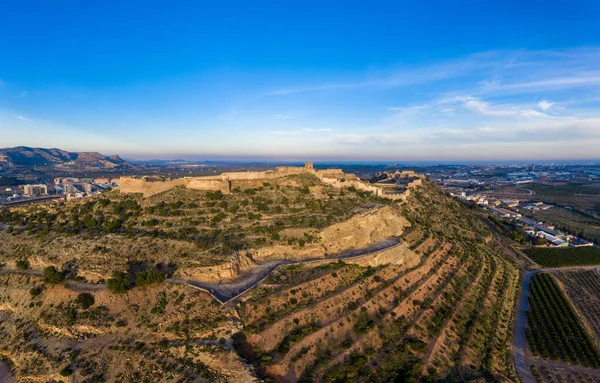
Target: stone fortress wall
[[228, 181]]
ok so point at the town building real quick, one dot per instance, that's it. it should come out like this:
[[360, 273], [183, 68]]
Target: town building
[[35, 190]]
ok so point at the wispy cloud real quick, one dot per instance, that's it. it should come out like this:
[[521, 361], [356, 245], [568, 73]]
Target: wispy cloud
[[281, 117], [484, 108], [284, 132], [520, 71], [317, 130], [24, 118], [545, 105]]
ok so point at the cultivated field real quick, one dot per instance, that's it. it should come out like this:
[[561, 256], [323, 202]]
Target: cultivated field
[[555, 331], [448, 317], [583, 287], [575, 256]]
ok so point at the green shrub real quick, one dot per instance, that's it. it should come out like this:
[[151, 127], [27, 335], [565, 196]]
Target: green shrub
[[146, 278], [52, 275], [118, 283], [35, 291], [22, 264], [85, 300]]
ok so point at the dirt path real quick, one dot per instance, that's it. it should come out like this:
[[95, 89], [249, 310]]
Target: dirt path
[[227, 291], [520, 346]]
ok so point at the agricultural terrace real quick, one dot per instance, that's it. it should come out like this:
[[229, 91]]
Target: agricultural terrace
[[574, 256], [447, 317], [554, 330]]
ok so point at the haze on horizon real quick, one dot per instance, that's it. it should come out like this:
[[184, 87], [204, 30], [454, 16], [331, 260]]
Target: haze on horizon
[[384, 81]]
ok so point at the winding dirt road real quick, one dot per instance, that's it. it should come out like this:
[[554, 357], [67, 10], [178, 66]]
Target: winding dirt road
[[227, 291]]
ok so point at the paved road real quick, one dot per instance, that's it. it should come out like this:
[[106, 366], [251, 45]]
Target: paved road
[[32, 200], [224, 292], [520, 342]]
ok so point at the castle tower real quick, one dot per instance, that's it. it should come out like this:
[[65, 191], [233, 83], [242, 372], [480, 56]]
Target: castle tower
[[308, 166]]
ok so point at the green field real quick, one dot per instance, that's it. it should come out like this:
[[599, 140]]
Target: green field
[[554, 330], [575, 256]]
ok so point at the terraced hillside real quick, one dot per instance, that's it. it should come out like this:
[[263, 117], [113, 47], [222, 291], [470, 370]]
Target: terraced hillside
[[448, 316], [438, 305]]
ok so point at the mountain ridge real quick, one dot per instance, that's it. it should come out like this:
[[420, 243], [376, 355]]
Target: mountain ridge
[[24, 156]]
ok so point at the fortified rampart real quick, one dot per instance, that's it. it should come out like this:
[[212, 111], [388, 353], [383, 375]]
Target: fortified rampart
[[228, 181]]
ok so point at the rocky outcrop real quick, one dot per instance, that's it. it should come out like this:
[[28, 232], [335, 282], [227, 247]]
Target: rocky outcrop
[[357, 232]]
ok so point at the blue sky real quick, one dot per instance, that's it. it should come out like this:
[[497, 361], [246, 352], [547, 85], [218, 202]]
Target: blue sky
[[388, 81]]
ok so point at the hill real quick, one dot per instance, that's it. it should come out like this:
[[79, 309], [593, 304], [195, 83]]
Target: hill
[[23, 156], [438, 304]]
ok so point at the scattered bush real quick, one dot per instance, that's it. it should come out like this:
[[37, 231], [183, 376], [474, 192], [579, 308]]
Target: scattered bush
[[146, 278], [67, 371], [85, 300], [35, 291], [22, 264], [52, 275], [118, 283]]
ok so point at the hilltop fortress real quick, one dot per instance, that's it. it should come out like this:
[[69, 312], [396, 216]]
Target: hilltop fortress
[[226, 182]]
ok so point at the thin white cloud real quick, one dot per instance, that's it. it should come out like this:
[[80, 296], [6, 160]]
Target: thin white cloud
[[545, 105], [484, 108], [519, 71], [284, 132], [408, 108], [281, 117], [24, 118], [317, 130], [564, 82]]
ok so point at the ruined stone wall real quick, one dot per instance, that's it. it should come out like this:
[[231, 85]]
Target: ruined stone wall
[[198, 183], [407, 193], [247, 175], [338, 183], [148, 188], [288, 170], [226, 182], [331, 173]]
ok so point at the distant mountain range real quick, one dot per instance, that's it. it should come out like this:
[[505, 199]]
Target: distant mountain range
[[28, 157]]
